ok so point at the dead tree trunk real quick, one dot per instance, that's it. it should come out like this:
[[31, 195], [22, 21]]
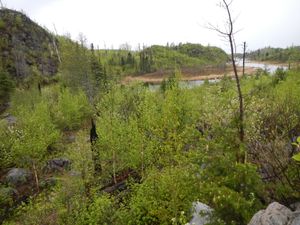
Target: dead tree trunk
[[244, 56], [95, 154], [229, 35]]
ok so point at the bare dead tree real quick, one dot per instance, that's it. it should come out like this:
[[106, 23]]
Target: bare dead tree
[[55, 45], [228, 33], [244, 56]]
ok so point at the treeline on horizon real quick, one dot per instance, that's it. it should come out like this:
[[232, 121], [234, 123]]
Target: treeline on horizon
[[285, 55]]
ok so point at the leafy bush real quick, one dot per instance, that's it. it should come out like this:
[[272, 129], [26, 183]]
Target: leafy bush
[[231, 189], [33, 134], [70, 109], [280, 74], [162, 197], [98, 211], [6, 142]]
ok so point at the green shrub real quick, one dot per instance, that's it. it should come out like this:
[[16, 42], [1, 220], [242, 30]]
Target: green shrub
[[98, 211], [162, 197], [70, 109], [6, 142], [231, 189]]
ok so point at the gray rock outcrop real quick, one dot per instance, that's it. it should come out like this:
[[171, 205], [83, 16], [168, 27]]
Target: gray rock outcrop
[[276, 214], [201, 215], [18, 176], [25, 45], [58, 165]]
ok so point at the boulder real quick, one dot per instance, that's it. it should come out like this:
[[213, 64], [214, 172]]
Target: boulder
[[18, 176], [201, 215], [58, 164], [295, 206], [296, 220], [274, 214]]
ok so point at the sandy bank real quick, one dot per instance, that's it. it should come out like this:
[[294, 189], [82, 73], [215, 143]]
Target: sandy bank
[[158, 77]]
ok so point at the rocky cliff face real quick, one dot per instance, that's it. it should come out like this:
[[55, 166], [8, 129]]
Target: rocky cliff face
[[25, 46]]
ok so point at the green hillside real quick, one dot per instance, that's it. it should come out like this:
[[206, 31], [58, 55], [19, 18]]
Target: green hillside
[[291, 54]]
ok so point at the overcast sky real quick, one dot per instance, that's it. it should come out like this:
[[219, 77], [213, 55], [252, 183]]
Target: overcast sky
[[111, 23]]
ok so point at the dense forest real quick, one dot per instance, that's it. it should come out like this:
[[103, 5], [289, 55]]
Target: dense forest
[[78, 146]]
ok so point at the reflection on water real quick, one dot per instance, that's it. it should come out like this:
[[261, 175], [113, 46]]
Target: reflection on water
[[185, 84], [271, 68]]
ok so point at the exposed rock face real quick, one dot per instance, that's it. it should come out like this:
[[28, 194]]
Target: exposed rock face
[[18, 176], [276, 214], [201, 214], [25, 45]]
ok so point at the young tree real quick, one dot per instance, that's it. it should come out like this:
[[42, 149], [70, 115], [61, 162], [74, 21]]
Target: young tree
[[34, 133], [97, 70], [228, 33]]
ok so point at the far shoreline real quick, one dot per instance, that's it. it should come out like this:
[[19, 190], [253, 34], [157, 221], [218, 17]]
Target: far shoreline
[[157, 78]]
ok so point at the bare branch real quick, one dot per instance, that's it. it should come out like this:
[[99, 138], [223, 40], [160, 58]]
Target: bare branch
[[230, 3], [239, 30], [215, 28]]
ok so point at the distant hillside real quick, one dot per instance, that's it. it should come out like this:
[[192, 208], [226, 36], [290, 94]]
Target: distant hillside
[[183, 55], [25, 46], [291, 54], [162, 58]]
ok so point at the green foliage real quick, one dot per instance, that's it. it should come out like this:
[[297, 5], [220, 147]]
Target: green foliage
[[31, 143], [185, 55], [291, 54], [162, 197], [231, 189], [297, 144], [98, 211], [171, 82], [69, 109], [6, 86], [296, 157], [213, 55], [160, 58], [6, 201], [159, 151], [279, 75], [6, 142], [2, 24]]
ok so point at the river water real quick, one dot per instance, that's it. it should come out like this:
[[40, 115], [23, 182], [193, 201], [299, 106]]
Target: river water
[[271, 68]]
